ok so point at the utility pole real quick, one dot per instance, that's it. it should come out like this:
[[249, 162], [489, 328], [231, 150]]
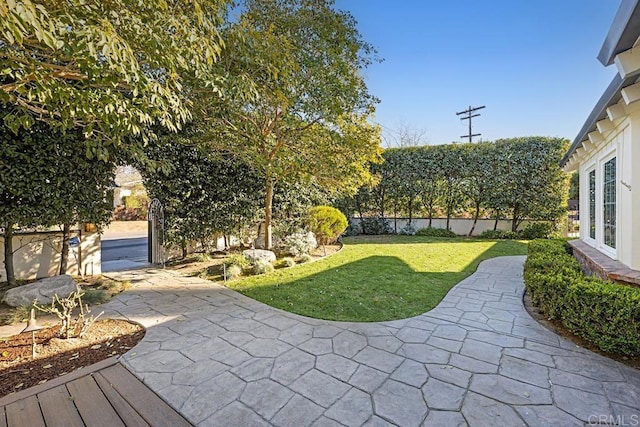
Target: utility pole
[[469, 115]]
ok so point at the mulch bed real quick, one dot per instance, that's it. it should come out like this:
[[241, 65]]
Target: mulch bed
[[56, 356]]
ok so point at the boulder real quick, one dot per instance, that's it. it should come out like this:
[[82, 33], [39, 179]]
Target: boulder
[[253, 255], [42, 291]]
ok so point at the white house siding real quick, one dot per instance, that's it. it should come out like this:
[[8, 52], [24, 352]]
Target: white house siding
[[623, 143]]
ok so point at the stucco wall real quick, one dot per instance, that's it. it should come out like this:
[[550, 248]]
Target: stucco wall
[[38, 255]]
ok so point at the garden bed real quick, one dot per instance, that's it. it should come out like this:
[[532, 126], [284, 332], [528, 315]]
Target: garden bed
[[56, 357]]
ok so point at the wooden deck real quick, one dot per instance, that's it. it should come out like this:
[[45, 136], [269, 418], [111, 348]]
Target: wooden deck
[[105, 394]]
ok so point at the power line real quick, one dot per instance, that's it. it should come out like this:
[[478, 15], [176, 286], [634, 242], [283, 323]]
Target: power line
[[469, 115]]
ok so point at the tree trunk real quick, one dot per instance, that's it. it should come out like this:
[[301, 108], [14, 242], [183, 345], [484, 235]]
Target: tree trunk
[[183, 246], [64, 252], [268, 212], [410, 209], [475, 219], [359, 209], [395, 218], [516, 218], [495, 224], [8, 255]]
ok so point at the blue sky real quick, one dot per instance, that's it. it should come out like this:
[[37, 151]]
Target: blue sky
[[531, 62]]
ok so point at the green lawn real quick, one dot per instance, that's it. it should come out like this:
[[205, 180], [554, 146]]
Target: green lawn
[[376, 278]]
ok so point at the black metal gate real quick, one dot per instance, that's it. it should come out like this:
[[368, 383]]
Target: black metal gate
[[156, 233]]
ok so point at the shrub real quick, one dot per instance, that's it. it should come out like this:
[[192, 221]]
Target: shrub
[[288, 262], [375, 225], [604, 313], [237, 259], [435, 232], [499, 234], [96, 296], [538, 230], [233, 271], [327, 223], [299, 243], [16, 315], [302, 259], [262, 267], [353, 229], [408, 230], [203, 257]]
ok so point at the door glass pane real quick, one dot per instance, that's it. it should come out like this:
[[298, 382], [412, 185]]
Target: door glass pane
[[592, 204], [609, 203]]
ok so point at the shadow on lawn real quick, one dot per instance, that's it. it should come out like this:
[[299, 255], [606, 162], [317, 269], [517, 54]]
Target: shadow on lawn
[[375, 288]]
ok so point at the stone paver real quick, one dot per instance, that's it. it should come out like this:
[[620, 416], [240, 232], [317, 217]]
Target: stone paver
[[478, 359]]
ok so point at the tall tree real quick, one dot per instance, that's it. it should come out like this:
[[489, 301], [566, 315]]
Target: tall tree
[[533, 185], [309, 109], [114, 68], [478, 162]]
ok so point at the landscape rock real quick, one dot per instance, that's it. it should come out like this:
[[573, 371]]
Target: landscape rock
[[253, 255], [42, 291]]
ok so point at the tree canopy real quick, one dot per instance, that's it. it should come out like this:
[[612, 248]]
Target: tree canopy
[[115, 69], [309, 109]]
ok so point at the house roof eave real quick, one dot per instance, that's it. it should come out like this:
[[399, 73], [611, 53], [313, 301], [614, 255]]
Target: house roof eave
[[624, 32]]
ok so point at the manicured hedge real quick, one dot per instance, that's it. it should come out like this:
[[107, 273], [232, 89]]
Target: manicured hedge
[[604, 313]]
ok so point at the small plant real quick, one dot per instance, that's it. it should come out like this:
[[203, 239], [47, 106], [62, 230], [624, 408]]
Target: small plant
[[435, 232], [234, 271], [408, 230], [96, 296], [203, 257], [63, 308], [327, 223], [262, 267], [303, 259], [288, 262], [237, 259], [300, 243], [16, 315]]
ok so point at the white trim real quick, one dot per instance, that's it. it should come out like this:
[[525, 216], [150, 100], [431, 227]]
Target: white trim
[[587, 236], [606, 157]]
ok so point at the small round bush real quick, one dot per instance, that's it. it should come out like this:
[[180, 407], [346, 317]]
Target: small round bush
[[327, 223], [538, 230], [408, 230], [302, 259], [300, 243], [262, 267], [435, 232], [234, 271], [375, 225], [288, 262]]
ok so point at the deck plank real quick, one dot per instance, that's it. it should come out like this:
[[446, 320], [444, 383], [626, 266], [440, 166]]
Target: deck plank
[[152, 408], [128, 414], [92, 404], [58, 409], [25, 412]]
